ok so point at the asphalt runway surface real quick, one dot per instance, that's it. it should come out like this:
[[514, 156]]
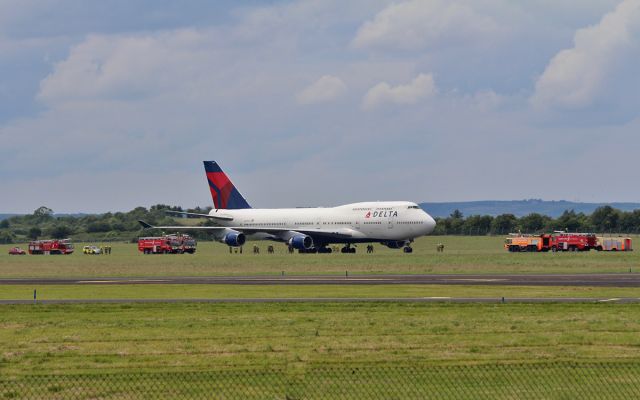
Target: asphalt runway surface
[[476, 300], [601, 280]]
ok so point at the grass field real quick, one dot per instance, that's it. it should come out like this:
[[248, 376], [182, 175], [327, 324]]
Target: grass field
[[74, 339], [174, 291], [97, 346], [462, 255]]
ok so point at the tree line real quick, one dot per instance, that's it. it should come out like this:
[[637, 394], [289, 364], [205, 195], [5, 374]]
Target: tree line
[[605, 219], [43, 223]]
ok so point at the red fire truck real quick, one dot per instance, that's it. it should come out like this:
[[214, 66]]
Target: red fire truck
[[574, 241], [558, 241], [167, 244], [613, 244], [53, 246]]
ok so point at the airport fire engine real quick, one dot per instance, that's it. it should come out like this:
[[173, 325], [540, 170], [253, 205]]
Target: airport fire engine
[[54, 246], [167, 244], [557, 241], [613, 244]]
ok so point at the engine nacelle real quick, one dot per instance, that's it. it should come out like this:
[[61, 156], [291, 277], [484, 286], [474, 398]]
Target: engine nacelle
[[395, 244], [234, 239], [301, 242]]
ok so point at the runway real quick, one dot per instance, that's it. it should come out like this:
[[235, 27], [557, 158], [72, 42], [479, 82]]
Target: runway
[[600, 280], [460, 300]]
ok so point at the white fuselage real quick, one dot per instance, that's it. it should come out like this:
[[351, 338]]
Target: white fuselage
[[368, 221]]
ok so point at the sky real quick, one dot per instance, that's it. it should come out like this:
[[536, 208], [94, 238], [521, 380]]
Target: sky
[[110, 105]]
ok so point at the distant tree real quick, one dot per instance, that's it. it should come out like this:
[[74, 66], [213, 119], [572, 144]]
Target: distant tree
[[630, 222], [503, 224], [605, 219], [43, 212], [477, 225], [533, 222], [571, 221], [98, 227], [61, 231], [457, 214], [137, 213], [34, 233], [4, 224], [119, 226], [6, 237]]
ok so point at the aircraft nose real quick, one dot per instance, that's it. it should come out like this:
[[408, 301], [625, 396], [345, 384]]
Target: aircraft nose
[[430, 224]]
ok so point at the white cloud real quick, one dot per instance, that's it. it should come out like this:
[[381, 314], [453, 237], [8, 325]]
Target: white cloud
[[417, 24], [423, 86], [325, 89], [146, 97], [121, 67], [599, 61]]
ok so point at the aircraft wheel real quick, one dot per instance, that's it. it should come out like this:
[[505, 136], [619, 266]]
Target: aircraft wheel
[[408, 249]]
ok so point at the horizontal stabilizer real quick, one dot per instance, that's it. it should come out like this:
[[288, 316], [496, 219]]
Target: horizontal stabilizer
[[145, 225]]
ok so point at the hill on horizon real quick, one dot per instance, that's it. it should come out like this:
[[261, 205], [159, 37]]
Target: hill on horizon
[[519, 208]]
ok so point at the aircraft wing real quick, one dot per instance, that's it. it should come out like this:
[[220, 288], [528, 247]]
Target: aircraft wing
[[284, 234], [146, 225], [287, 233], [218, 217]]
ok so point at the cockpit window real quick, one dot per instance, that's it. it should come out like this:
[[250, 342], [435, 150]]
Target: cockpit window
[[416, 207]]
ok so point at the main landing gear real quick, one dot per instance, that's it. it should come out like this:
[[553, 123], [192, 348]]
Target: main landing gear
[[408, 249], [348, 249], [313, 250]]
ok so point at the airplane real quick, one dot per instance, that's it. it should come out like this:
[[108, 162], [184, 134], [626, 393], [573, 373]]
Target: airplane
[[394, 224]]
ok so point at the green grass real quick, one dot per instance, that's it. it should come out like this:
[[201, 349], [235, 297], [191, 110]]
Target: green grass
[[85, 338], [463, 342], [157, 291], [462, 255], [488, 381]]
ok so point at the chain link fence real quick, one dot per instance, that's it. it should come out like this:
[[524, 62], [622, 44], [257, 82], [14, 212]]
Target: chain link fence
[[501, 381]]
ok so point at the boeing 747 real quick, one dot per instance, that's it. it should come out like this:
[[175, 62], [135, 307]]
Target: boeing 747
[[392, 223]]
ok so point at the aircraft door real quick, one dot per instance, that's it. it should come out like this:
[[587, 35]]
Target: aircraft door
[[391, 223]]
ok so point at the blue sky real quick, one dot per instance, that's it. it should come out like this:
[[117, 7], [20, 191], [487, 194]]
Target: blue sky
[[111, 105]]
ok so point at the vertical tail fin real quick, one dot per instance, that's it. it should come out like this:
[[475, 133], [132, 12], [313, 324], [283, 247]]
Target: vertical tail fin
[[224, 193]]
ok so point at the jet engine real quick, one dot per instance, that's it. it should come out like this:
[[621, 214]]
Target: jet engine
[[234, 238], [301, 242]]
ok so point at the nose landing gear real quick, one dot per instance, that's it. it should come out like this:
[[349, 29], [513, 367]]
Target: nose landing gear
[[408, 249]]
